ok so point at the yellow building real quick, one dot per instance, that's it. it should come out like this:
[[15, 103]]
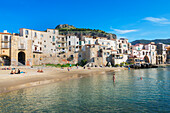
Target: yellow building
[[5, 51]]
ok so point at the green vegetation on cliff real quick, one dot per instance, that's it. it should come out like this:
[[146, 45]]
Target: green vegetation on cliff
[[65, 29]]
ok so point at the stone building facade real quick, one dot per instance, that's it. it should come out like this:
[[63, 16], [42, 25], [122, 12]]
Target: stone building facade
[[33, 47]]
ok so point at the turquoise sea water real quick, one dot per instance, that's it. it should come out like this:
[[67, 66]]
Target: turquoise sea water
[[97, 93]]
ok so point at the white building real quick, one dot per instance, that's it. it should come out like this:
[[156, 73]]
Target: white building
[[42, 41], [72, 43], [145, 52]]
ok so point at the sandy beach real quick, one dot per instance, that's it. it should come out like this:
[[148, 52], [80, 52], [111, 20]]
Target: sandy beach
[[32, 78]]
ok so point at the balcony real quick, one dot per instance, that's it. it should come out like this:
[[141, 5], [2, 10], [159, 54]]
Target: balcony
[[5, 46], [22, 47], [60, 47], [61, 41], [5, 40], [37, 51]]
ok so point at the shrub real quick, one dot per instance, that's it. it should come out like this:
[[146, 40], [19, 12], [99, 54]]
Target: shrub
[[117, 65], [83, 62]]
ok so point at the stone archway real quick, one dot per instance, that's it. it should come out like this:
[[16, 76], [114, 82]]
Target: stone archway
[[146, 59], [21, 58]]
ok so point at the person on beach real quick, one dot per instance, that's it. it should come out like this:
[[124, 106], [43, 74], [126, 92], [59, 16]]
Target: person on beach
[[41, 71], [18, 71], [15, 71], [129, 68], [141, 78], [12, 72], [70, 66], [114, 78], [77, 66], [68, 69]]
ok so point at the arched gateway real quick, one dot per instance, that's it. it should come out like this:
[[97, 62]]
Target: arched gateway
[[21, 58], [146, 59]]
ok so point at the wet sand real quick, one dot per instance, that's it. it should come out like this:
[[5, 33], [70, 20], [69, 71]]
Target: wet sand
[[50, 75]]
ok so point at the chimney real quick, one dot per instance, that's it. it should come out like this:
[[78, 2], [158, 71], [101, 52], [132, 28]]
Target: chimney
[[5, 31]]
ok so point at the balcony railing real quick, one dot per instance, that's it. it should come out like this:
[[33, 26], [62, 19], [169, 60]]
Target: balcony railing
[[21, 47], [5, 46], [61, 41], [4, 40], [37, 51], [60, 47]]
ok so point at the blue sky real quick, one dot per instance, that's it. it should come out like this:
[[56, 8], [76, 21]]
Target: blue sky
[[133, 19]]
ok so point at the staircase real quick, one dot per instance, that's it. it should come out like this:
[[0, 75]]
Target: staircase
[[20, 64]]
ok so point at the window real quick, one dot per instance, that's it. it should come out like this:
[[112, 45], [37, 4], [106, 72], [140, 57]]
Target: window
[[108, 43], [77, 42], [35, 48], [69, 48], [53, 38], [79, 55], [44, 40], [35, 34], [54, 32], [119, 45], [51, 55], [44, 46], [102, 43], [26, 32], [89, 41], [50, 36], [64, 56], [69, 43], [33, 56], [143, 53], [152, 47], [41, 35], [40, 48], [5, 38], [124, 45]]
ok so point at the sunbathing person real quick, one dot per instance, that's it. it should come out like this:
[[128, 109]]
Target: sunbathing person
[[38, 71], [18, 72], [41, 71], [12, 72]]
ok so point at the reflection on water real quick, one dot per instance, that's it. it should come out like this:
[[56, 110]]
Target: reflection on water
[[96, 94]]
